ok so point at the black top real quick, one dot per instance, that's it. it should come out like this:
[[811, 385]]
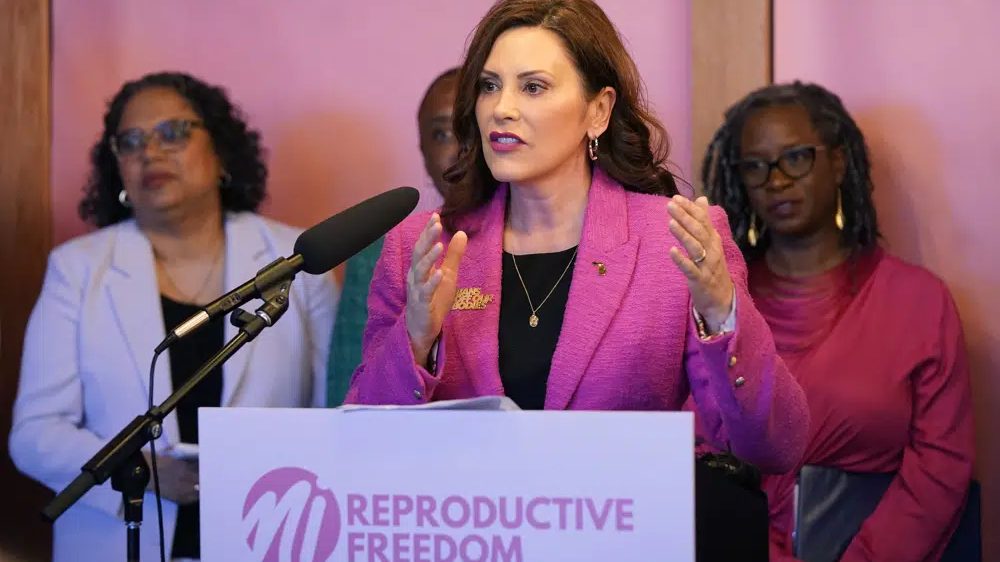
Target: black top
[[526, 352], [731, 520], [186, 357]]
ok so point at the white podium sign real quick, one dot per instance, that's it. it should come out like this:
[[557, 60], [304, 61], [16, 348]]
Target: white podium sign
[[282, 485]]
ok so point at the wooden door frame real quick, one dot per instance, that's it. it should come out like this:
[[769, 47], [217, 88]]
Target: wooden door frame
[[25, 241], [731, 55]]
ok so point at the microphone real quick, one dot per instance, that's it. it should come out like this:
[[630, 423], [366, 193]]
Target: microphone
[[317, 250]]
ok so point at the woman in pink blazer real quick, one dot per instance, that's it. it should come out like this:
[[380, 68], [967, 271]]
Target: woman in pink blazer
[[560, 271]]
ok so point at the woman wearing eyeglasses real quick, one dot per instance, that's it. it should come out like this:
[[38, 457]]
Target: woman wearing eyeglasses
[[176, 179], [876, 343]]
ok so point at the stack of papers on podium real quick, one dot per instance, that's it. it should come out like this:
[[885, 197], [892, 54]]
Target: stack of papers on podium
[[485, 403]]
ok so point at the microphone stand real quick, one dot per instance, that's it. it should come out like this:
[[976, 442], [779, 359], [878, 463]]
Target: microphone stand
[[121, 459]]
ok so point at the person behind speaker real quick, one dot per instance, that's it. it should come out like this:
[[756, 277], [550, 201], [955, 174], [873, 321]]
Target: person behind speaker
[[439, 150], [176, 179], [875, 342], [564, 270]]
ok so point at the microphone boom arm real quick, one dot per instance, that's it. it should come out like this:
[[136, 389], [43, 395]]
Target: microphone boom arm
[[142, 429]]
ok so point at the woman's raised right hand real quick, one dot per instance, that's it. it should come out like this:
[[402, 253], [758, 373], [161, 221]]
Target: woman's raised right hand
[[430, 290]]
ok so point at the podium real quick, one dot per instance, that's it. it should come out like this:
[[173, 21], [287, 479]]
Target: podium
[[297, 485]]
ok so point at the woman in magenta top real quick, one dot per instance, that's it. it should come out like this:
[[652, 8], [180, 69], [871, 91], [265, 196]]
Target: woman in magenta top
[[875, 342], [560, 271]]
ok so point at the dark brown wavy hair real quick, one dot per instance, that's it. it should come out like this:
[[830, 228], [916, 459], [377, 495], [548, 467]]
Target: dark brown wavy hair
[[634, 148]]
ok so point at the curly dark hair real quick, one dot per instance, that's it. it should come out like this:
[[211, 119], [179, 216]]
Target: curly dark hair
[[836, 128], [237, 146], [633, 150]]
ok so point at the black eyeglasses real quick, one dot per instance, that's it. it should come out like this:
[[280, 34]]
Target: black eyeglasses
[[172, 135], [795, 162]]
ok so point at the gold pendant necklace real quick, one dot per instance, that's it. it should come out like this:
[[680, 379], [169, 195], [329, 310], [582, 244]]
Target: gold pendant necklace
[[190, 299], [533, 319]]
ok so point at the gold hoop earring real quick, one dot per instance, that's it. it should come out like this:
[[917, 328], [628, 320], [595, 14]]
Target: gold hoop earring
[[752, 230], [592, 147], [839, 217]]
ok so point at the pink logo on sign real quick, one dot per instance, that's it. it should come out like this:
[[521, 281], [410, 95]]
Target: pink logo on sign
[[287, 517]]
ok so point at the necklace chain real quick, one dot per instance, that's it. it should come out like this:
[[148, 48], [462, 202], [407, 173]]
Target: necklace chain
[[190, 298], [533, 319]]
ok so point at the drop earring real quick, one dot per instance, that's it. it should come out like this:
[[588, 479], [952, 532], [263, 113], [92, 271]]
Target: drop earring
[[592, 147], [752, 230], [839, 217]]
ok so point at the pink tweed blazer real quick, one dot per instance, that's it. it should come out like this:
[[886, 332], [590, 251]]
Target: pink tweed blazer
[[628, 341]]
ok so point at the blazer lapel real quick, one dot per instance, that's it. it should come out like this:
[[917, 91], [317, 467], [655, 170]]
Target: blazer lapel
[[135, 302], [479, 330], [247, 251], [594, 299]]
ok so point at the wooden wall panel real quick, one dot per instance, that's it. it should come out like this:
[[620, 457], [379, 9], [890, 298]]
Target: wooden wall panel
[[25, 240], [730, 56]]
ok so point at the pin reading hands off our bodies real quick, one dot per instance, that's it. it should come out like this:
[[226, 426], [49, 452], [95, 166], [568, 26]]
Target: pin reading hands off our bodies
[[703, 261], [430, 290]]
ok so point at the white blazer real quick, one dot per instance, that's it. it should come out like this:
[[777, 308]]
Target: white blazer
[[89, 342]]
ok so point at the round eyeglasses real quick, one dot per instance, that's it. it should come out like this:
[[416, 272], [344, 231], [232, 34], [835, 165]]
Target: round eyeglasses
[[795, 163], [171, 135]]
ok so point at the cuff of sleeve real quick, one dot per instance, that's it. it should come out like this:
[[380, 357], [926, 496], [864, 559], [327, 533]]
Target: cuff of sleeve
[[426, 381], [728, 326], [718, 352]]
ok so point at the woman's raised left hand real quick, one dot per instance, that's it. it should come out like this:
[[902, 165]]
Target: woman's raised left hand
[[703, 261]]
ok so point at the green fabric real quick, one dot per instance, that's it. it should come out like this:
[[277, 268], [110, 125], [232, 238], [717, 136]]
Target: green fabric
[[352, 314]]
